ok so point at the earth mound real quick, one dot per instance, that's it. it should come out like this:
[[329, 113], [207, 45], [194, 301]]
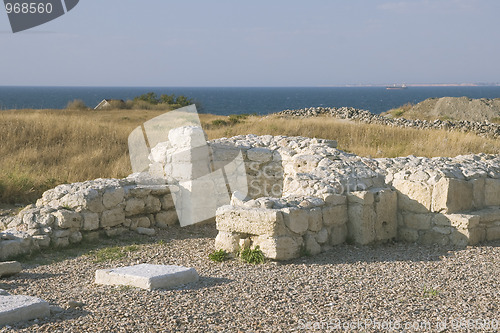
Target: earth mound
[[451, 108]]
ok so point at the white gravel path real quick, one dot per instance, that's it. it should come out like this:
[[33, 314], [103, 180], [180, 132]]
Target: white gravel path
[[404, 285]]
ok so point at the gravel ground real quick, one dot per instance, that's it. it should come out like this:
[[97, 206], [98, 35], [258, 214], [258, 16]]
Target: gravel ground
[[412, 288]]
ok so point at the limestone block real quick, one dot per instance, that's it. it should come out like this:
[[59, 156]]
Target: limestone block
[[75, 237], [147, 276], [305, 163], [227, 241], [68, 219], [187, 171], [113, 217], [8, 268], [139, 192], [457, 221], [442, 230], [252, 221], [361, 224], [386, 222], [432, 237], [141, 222], [493, 233], [361, 197], [259, 154], [152, 204], [145, 231], [134, 206], [167, 202], [492, 192], [335, 199], [166, 219], [413, 196], [322, 236], [408, 235], [91, 237], [315, 217], [417, 221], [452, 196], [478, 192], [279, 248], [90, 221], [60, 242], [18, 308], [114, 232], [335, 215], [113, 197], [190, 155], [43, 241], [488, 216], [338, 234], [312, 246], [464, 237], [187, 137], [297, 220]]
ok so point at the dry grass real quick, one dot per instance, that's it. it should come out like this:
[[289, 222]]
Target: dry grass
[[43, 148]]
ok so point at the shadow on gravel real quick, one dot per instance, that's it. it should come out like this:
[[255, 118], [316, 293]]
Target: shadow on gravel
[[393, 252]]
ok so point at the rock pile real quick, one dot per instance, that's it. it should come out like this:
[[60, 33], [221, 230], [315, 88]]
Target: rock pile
[[484, 128]]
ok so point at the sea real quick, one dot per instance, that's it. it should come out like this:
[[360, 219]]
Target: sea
[[241, 100]]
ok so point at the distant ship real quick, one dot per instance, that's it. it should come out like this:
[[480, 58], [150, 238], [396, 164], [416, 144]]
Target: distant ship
[[394, 87]]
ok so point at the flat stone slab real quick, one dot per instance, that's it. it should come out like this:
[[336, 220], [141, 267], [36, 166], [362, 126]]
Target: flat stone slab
[[9, 268], [18, 308], [147, 276]]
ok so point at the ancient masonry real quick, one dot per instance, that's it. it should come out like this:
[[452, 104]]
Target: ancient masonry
[[303, 196]]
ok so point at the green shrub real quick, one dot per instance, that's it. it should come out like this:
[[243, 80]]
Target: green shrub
[[219, 122], [218, 256], [254, 256]]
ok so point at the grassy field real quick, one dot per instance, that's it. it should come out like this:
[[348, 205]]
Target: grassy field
[[42, 148]]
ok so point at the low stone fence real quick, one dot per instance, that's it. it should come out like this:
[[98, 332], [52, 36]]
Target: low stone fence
[[290, 196], [480, 128], [70, 213]]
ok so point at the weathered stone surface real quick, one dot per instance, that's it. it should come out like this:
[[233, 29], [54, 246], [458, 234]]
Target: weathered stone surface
[[250, 221], [279, 248], [315, 218], [16, 308], [147, 276], [145, 231], [112, 197], [90, 221], [432, 237], [68, 219], [452, 196], [259, 154], [322, 236], [134, 206], [338, 234], [152, 204], [335, 215], [361, 224], [413, 196], [492, 192], [113, 217], [167, 202], [311, 245], [296, 219], [417, 221], [10, 268], [386, 222], [227, 241], [478, 193], [166, 219], [493, 233], [408, 235]]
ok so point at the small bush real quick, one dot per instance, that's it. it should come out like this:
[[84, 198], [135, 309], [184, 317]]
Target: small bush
[[254, 256], [76, 104], [218, 256], [219, 122], [113, 253]]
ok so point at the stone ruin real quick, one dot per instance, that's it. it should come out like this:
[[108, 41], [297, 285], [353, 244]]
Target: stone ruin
[[300, 196]]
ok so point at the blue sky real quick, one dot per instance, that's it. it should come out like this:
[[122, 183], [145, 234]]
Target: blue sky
[[257, 43]]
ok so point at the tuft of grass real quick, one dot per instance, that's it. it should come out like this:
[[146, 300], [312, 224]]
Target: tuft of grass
[[112, 253], [430, 292], [218, 256], [252, 256]]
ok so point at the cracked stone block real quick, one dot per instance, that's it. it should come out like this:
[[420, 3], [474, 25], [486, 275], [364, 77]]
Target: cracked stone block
[[19, 308]]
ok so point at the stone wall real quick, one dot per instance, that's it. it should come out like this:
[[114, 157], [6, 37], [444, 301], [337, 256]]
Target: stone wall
[[290, 196]]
